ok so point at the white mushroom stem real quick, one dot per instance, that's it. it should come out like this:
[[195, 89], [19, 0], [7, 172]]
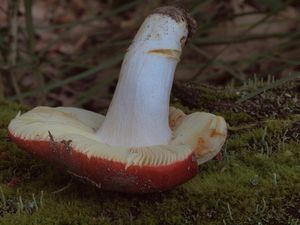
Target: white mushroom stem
[[138, 114]]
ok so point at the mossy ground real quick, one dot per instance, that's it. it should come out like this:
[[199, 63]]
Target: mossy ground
[[256, 182]]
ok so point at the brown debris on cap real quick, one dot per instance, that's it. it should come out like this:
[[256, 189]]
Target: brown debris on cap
[[179, 15]]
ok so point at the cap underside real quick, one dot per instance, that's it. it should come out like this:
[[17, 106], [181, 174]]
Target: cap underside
[[203, 133]]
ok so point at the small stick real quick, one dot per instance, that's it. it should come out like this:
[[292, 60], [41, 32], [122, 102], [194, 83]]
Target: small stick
[[13, 30], [3, 199], [82, 178], [229, 211], [63, 188], [21, 203], [275, 178], [42, 198], [264, 205], [34, 201]]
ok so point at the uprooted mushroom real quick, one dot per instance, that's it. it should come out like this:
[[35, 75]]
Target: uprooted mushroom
[[142, 145]]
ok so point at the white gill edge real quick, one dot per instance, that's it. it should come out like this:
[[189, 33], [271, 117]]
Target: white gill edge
[[64, 124]]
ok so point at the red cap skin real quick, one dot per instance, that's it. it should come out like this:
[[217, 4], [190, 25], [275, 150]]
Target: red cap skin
[[111, 175]]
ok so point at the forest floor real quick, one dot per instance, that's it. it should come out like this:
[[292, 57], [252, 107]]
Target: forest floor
[[256, 182]]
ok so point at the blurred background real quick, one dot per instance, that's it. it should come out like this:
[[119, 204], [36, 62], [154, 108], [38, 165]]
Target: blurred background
[[68, 52]]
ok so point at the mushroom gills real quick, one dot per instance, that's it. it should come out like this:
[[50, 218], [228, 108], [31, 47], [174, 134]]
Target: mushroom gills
[[77, 125], [201, 133]]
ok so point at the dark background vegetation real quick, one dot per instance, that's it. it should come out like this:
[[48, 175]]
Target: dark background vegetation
[[60, 52], [242, 63]]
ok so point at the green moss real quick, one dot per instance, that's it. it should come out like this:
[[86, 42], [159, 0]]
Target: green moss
[[201, 97], [9, 110], [236, 119], [212, 94], [257, 182]]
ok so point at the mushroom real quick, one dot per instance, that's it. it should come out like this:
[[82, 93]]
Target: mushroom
[[142, 145]]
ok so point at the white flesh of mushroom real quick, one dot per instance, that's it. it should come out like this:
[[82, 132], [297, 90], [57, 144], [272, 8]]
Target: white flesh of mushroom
[[138, 114]]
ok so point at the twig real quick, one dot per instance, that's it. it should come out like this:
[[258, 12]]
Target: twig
[[42, 199], [264, 205], [31, 43], [1, 88], [242, 127], [71, 25], [3, 199], [106, 64], [85, 179], [225, 48], [277, 83], [2, 10], [229, 211], [63, 188], [21, 204], [239, 76], [13, 30], [241, 39], [34, 202], [275, 179]]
